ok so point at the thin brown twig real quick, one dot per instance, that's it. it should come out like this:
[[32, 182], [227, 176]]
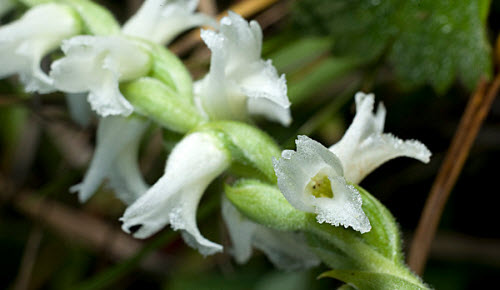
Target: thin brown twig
[[29, 258], [472, 119]]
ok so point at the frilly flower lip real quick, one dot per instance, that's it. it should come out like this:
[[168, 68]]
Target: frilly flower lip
[[239, 83], [286, 250], [26, 41], [96, 64], [161, 21], [364, 146], [115, 158], [312, 180], [195, 161]]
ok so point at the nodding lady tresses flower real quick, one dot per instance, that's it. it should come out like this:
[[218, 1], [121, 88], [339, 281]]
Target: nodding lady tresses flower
[[115, 159], [194, 162], [240, 83], [23, 43], [286, 250], [162, 20], [96, 64], [364, 146], [312, 180]]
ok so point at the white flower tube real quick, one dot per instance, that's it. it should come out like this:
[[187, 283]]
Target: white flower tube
[[96, 64], [115, 158], [162, 20], [23, 43], [286, 250], [239, 83], [195, 161], [312, 180], [364, 146]]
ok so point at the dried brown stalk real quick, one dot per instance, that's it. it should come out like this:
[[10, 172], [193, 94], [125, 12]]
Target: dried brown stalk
[[472, 119]]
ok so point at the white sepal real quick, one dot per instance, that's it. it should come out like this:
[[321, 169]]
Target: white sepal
[[313, 163], [96, 64], [115, 159], [194, 162], [240, 84], [364, 146], [23, 43], [286, 250], [162, 20]]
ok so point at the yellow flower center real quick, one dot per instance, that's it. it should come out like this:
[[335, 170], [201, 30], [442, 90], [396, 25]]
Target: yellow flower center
[[320, 186]]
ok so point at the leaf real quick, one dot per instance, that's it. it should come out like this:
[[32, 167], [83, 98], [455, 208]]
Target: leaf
[[153, 99], [251, 149], [266, 205], [372, 280], [426, 41]]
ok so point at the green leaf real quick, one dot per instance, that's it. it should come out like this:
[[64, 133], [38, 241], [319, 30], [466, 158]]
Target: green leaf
[[153, 99], [251, 149], [372, 280], [266, 205], [426, 41]]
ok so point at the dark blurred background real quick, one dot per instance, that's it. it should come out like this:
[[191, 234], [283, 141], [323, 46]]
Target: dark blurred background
[[423, 59]]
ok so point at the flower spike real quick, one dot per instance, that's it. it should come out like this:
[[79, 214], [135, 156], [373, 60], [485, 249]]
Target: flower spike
[[162, 20], [26, 41], [239, 83], [312, 180], [195, 161], [364, 146], [97, 64]]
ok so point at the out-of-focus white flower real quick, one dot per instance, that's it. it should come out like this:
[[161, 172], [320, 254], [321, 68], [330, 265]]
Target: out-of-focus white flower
[[6, 6], [286, 250], [97, 64], [115, 159], [23, 43], [312, 180], [364, 146], [162, 20], [240, 83], [194, 162]]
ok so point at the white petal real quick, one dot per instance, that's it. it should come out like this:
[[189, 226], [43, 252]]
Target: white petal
[[116, 137], [239, 83], [286, 250], [191, 167], [364, 146], [97, 64], [162, 20], [295, 169], [23, 43], [79, 109], [344, 208]]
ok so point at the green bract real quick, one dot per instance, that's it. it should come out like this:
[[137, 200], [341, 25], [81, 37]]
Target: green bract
[[154, 99], [251, 149], [96, 19]]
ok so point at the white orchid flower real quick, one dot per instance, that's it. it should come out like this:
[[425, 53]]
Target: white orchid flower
[[162, 20], [6, 6], [239, 83], [286, 250], [96, 64], [194, 162], [364, 146], [23, 43], [312, 180], [115, 159]]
